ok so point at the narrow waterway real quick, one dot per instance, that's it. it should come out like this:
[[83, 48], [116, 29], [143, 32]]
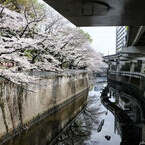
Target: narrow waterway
[[109, 118], [95, 125]]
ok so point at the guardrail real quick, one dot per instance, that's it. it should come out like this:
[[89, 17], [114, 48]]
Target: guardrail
[[127, 73], [47, 73]]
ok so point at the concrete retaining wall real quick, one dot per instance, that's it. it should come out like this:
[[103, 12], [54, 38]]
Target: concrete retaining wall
[[19, 107], [133, 81]]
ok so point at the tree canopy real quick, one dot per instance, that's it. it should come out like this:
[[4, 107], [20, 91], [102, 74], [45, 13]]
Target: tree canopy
[[37, 39]]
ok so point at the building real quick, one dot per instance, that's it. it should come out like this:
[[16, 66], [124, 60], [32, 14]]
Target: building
[[130, 52], [121, 37]]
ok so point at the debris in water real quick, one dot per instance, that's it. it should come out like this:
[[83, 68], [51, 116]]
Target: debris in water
[[100, 126], [107, 137]]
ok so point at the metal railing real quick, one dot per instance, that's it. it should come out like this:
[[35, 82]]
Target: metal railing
[[48, 73], [127, 73]]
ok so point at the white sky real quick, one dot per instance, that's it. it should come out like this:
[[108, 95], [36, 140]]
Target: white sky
[[104, 38]]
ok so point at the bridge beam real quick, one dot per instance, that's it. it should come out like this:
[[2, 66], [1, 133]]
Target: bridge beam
[[134, 50], [139, 34], [101, 12]]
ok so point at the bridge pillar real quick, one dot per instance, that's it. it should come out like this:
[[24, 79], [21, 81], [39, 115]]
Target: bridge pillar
[[132, 66], [117, 99], [117, 66], [110, 67], [143, 67], [143, 134]]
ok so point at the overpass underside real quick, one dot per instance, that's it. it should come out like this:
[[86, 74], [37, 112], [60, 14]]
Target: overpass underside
[[101, 12]]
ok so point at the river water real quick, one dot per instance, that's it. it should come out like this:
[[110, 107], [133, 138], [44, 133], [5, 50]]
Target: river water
[[85, 129], [109, 121], [110, 118]]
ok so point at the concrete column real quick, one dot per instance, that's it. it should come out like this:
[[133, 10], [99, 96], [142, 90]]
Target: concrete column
[[132, 66], [117, 66], [143, 133], [143, 67], [117, 99], [110, 65]]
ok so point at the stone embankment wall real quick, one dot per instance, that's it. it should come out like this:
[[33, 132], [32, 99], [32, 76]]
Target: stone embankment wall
[[132, 81], [20, 107]]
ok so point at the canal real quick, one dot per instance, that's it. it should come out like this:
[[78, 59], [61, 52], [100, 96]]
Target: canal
[[109, 118], [95, 125]]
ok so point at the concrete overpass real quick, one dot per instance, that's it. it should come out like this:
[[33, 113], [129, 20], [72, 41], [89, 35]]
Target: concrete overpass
[[101, 12], [132, 50]]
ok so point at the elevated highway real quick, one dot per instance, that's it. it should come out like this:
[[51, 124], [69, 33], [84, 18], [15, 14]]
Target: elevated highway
[[131, 54], [101, 12]]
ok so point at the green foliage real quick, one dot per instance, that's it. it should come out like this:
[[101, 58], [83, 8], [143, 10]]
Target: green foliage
[[20, 5], [27, 53], [49, 60], [36, 59], [138, 67], [126, 67], [11, 33], [65, 65], [87, 35]]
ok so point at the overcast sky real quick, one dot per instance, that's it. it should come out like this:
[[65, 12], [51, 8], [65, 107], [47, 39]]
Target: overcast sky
[[104, 38]]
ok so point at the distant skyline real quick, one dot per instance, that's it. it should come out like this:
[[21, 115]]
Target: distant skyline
[[104, 39]]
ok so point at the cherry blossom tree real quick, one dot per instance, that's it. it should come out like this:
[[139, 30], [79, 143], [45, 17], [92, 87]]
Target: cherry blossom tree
[[30, 41]]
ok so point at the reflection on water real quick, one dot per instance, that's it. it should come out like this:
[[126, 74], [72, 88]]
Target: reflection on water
[[46, 131], [129, 117], [110, 118], [94, 125], [80, 131]]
